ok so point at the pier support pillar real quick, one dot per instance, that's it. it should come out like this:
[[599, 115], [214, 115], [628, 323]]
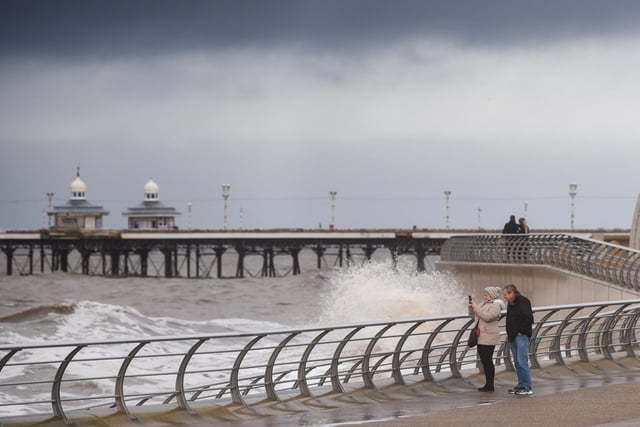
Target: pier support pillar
[[115, 262], [9, 253], [240, 267], [85, 255], [30, 259], [319, 250], [198, 261], [219, 251], [63, 260], [268, 267], [168, 264], [296, 261], [421, 253], [188, 261], [368, 252], [144, 261]]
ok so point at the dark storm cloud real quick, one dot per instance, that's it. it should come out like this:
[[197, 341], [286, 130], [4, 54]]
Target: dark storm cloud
[[108, 28]]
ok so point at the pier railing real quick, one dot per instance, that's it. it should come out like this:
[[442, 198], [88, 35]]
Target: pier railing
[[61, 378], [609, 262]]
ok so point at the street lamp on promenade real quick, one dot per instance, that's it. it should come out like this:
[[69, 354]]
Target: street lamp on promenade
[[333, 195], [189, 206], [447, 194], [49, 196], [573, 190], [479, 213], [225, 195], [526, 208]]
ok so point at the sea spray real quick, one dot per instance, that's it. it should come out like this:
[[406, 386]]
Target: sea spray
[[381, 291]]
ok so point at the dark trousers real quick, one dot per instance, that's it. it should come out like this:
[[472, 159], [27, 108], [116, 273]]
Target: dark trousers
[[485, 352]]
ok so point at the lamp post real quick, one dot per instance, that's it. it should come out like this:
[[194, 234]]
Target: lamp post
[[333, 195], [447, 194], [526, 208], [189, 205], [50, 196], [225, 195], [573, 189], [479, 213]]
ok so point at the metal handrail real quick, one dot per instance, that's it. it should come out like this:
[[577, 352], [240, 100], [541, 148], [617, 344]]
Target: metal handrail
[[599, 260], [236, 368]]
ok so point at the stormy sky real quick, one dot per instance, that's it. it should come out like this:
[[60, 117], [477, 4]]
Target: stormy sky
[[388, 103]]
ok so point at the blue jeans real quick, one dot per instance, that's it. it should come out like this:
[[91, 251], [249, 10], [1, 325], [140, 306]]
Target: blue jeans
[[520, 351]]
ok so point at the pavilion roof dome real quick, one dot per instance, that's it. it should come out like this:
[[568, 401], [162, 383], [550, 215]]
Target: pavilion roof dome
[[78, 185], [151, 187]]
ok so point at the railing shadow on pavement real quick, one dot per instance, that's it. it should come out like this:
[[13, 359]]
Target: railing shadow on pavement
[[59, 379]]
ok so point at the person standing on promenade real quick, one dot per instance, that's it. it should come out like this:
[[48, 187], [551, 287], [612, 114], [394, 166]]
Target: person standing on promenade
[[519, 330], [487, 314], [511, 227], [524, 247]]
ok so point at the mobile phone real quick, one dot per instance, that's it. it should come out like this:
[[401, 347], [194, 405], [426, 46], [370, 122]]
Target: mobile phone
[[469, 298]]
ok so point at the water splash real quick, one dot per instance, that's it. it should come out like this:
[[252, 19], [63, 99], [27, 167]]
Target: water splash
[[380, 291]]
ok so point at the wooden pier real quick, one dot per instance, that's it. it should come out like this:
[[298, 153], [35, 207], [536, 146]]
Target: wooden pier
[[199, 254]]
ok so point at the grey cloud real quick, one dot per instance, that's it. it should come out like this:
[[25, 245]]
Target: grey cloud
[[92, 28]]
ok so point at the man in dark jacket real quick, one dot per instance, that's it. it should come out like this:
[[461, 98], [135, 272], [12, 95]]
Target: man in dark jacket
[[519, 329], [511, 227]]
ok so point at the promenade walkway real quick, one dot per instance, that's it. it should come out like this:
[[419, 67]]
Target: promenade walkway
[[584, 395]]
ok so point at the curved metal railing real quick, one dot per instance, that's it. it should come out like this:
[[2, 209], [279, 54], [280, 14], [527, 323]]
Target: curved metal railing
[[611, 263], [59, 377]]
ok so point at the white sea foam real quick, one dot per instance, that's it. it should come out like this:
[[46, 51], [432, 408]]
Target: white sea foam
[[381, 291]]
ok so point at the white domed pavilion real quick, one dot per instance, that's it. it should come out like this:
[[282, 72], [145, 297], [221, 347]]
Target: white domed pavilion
[[78, 214], [151, 213]]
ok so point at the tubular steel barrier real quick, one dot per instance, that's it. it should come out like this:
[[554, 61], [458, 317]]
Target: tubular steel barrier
[[61, 378], [611, 263]]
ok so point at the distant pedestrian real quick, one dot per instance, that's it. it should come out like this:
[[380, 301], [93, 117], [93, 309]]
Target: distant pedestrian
[[487, 314], [519, 330], [524, 245], [511, 227]]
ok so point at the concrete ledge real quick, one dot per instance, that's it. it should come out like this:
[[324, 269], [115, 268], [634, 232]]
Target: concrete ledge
[[543, 285]]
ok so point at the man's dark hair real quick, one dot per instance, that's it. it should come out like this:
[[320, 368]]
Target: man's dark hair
[[511, 288]]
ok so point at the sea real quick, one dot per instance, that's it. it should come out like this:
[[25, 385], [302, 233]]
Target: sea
[[72, 307]]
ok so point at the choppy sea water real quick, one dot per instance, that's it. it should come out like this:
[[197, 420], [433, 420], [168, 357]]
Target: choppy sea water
[[70, 307]]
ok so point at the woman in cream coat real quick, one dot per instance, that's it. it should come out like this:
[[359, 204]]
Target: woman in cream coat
[[488, 314]]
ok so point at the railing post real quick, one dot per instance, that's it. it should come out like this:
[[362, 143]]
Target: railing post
[[367, 376], [270, 387], [233, 381], [335, 360], [121, 403], [182, 399], [424, 359], [56, 401], [302, 365]]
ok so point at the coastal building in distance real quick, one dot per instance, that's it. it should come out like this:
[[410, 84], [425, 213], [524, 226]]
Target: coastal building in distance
[[78, 214], [151, 213]]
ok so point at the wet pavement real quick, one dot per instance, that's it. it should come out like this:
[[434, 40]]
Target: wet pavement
[[603, 394]]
